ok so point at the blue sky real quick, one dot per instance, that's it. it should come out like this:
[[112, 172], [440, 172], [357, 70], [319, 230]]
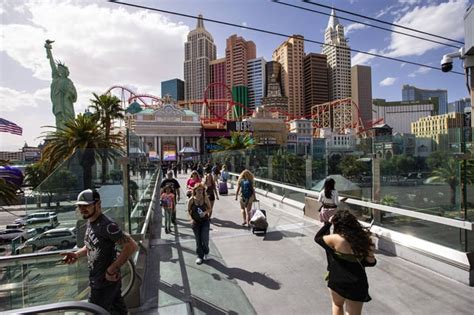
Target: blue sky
[[106, 44]]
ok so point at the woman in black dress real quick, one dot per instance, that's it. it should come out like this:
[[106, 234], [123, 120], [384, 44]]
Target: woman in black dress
[[349, 250]]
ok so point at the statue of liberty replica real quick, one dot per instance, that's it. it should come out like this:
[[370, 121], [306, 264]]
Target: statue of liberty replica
[[63, 92]]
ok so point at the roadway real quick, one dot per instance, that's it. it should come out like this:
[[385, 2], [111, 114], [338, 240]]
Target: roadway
[[280, 273]]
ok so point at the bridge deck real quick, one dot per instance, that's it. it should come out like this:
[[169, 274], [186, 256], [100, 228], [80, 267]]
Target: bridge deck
[[281, 273]]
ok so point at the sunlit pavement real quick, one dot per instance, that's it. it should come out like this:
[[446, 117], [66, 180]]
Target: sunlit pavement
[[281, 273]]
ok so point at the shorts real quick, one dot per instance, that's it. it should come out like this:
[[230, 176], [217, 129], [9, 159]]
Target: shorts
[[326, 214], [243, 204]]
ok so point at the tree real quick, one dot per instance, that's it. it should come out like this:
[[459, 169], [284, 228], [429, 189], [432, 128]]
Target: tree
[[436, 159], [8, 188], [447, 173], [351, 167], [288, 168], [237, 141], [107, 108], [83, 136], [35, 174]]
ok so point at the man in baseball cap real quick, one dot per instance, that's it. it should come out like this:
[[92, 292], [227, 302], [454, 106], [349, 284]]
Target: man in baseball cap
[[88, 197], [102, 234]]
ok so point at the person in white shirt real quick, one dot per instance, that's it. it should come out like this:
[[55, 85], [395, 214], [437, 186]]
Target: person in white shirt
[[329, 199]]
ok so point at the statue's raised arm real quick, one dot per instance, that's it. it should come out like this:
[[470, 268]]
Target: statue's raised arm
[[49, 55], [63, 92]]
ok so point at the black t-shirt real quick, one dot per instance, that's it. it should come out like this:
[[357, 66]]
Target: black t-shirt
[[170, 181], [101, 236]]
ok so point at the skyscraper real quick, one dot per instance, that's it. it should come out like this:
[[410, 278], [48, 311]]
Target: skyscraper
[[174, 88], [217, 70], [315, 72], [199, 51], [339, 59], [256, 81], [272, 68], [361, 78], [412, 93], [238, 51], [290, 55]]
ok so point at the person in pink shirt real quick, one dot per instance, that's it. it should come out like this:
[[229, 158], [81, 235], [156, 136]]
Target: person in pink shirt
[[192, 181]]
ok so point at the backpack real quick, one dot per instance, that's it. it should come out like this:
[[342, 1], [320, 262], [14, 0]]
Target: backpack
[[247, 189]]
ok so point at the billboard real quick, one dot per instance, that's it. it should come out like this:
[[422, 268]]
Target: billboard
[[169, 152]]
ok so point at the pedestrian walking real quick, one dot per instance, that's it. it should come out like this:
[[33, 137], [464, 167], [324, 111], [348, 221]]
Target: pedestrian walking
[[101, 237], [199, 210], [167, 201], [211, 187], [245, 187], [349, 250], [329, 199], [175, 187], [192, 181]]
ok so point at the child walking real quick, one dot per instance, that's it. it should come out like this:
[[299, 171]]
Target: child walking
[[167, 202]]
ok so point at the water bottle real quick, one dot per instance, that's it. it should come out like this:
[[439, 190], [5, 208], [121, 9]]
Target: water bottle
[[200, 212]]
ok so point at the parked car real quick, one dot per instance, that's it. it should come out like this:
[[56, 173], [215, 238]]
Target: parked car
[[63, 237], [40, 220], [6, 236]]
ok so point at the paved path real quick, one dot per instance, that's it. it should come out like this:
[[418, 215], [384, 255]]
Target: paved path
[[281, 273]]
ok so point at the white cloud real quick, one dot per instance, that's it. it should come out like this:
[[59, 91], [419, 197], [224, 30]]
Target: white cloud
[[427, 18], [384, 11], [13, 100], [100, 45], [353, 27], [410, 2], [419, 71], [387, 81], [360, 59]]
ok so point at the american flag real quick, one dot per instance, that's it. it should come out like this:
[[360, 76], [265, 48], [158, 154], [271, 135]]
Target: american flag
[[8, 126]]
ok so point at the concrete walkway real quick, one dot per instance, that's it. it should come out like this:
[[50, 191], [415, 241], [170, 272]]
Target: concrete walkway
[[281, 273]]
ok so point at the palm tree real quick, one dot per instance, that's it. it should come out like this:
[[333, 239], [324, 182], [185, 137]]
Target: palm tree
[[448, 173], [237, 141], [8, 188], [107, 108], [83, 136]]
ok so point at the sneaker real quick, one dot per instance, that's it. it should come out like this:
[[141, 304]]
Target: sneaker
[[198, 261], [206, 257]]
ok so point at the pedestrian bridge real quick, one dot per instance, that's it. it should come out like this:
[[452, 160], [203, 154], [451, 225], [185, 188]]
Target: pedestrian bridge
[[279, 273]]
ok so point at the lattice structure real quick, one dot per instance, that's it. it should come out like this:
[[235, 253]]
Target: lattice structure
[[338, 116]]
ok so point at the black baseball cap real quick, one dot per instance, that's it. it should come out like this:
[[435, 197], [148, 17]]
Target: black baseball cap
[[87, 197]]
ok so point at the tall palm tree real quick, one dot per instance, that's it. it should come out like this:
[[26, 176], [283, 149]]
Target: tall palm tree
[[107, 108], [448, 173], [83, 136]]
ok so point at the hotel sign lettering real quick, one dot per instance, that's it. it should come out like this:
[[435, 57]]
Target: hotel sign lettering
[[240, 126]]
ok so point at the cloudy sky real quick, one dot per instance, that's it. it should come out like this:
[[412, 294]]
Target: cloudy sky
[[106, 44]]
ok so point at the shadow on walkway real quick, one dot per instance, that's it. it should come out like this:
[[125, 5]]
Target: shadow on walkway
[[227, 224], [244, 275], [279, 235]]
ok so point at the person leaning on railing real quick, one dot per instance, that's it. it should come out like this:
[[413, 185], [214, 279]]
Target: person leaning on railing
[[102, 234]]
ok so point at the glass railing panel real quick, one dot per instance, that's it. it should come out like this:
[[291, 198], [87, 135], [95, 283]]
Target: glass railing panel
[[42, 281], [51, 204], [45, 279]]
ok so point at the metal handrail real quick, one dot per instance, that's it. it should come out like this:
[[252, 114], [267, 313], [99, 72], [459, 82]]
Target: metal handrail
[[150, 209], [135, 209], [74, 305], [39, 257], [466, 225]]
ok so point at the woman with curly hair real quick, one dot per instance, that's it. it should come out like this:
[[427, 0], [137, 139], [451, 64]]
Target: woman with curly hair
[[349, 250]]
